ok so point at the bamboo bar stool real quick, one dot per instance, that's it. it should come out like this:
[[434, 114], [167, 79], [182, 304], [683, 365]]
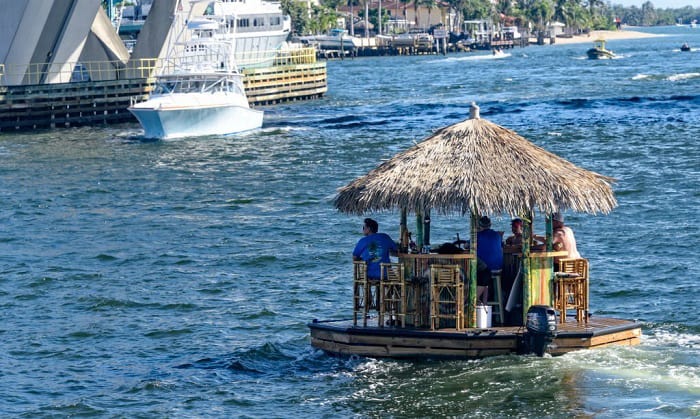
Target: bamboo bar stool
[[571, 290], [417, 292], [446, 295], [365, 293], [392, 294], [497, 301]]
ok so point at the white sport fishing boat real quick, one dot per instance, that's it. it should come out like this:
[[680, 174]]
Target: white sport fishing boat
[[199, 91]]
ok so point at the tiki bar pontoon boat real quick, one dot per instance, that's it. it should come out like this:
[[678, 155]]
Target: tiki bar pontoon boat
[[425, 305]]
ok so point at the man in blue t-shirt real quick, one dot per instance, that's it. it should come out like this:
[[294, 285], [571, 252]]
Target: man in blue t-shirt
[[374, 248], [489, 245], [489, 253]]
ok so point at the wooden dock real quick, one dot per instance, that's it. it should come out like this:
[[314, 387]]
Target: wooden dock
[[295, 76], [373, 49], [69, 104], [289, 83]]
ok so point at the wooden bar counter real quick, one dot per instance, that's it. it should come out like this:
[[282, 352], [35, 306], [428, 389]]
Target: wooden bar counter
[[417, 265], [417, 276]]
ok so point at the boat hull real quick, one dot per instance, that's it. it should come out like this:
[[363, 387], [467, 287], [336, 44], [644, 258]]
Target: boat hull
[[336, 40], [168, 123], [598, 54], [341, 338], [336, 43]]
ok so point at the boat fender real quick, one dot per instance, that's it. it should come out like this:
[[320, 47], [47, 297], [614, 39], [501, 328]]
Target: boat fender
[[541, 328]]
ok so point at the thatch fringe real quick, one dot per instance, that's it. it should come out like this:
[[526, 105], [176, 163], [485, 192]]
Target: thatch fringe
[[476, 165]]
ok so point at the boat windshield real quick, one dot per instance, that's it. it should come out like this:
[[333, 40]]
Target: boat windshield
[[198, 85], [337, 32], [178, 86]]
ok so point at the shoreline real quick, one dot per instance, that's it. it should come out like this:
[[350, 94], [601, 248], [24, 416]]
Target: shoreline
[[593, 35]]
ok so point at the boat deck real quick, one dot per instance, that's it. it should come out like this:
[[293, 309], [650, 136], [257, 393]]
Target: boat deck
[[341, 337]]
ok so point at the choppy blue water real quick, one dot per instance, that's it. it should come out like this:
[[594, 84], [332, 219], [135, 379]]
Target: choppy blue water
[[175, 279]]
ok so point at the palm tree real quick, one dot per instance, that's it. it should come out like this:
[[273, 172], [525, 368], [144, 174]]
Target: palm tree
[[405, 5], [415, 12], [648, 13], [430, 4], [352, 3], [366, 18], [324, 18], [477, 9], [456, 6], [564, 11], [540, 12], [593, 4]]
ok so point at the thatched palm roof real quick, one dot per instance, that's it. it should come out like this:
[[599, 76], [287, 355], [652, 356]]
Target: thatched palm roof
[[477, 165]]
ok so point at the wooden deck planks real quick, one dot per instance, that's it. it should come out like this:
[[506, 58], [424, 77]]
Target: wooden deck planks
[[382, 351], [343, 338]]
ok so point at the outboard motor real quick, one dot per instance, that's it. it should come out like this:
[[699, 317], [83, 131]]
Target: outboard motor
[[541, 328]]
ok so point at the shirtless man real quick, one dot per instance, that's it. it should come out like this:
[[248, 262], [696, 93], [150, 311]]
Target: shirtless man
[[516, 227], [516, 239], [563, 237]]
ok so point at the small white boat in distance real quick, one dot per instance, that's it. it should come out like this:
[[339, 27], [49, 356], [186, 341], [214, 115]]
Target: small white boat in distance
[[498, 53], [599, 52], [200, 91], [336, 39]]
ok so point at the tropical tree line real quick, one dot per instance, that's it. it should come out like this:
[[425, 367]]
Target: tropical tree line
[[647, 15], [578, 15]]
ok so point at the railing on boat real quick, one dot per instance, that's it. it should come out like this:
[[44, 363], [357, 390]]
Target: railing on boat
[[533, 277], [296, 56]]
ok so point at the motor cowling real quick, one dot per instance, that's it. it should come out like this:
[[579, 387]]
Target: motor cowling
[[541, 325]]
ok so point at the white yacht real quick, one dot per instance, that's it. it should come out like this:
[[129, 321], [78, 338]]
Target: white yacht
[[199, 91], [335, 39], [259, 29]]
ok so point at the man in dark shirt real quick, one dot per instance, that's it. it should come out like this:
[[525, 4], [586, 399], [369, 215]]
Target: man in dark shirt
[[489, 254]]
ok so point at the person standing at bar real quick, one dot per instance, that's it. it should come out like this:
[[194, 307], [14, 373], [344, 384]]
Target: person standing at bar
[[489, 254]]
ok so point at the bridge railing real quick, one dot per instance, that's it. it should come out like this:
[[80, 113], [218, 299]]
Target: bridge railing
[[75, 71], [84, 71]]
